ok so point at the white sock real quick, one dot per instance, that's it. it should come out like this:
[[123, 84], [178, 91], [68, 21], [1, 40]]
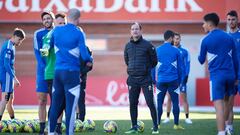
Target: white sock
[[230, 127], [221, 132]]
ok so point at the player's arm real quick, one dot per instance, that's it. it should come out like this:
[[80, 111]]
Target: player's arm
[[187, 66], [203, 53], [83, 50], [126, 55], [180, 67], [188, 59], [153, 56], [235, 59], [47, 43], [7, 63], [36, 47], [85, 69]]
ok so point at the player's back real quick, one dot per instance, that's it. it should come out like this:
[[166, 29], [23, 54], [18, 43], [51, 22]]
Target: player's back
[[67, 40], [167, 63], [219, 47]]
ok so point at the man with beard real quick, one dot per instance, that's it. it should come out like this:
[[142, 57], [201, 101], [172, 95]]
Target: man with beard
[[48, 51], [140, 57], [220, 49], [41, 83], [232, 23], [183, 86]]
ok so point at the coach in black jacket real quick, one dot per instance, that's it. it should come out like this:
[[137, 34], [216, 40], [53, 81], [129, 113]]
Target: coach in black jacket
[[81, 112], [140, 57]]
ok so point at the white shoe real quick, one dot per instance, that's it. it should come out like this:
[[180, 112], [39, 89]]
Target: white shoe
[[188, 121], [229, 131], [166, 120]]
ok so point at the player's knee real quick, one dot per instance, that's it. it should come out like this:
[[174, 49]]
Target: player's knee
[[133, 103], [150, 104], [42, 102], [7, 97]]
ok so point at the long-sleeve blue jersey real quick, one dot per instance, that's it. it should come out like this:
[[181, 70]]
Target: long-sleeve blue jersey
[[186, 60], [7, 59], [170, 64], [69, 46], [38, 44], [220, 49], [236, 37]]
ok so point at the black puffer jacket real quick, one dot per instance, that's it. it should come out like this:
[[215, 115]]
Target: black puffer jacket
[[140, 57]]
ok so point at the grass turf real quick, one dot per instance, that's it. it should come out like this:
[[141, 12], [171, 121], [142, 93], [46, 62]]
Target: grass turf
[[203, 123]]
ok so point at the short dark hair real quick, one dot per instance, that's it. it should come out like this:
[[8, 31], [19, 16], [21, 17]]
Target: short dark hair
[[177, 34], [62, 15], [233, 13], [19, 33], [213, 18], [137, 23], [47, 13], [168, 34]]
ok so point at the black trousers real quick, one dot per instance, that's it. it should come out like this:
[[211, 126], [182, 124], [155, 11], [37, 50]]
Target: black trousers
[[81, 100], [134, 87]]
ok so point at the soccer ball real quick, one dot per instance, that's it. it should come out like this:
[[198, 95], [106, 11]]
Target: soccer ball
[[110, 126], [30, 127], [89, 125], [63, 126], [3, 126], [78, 125], [140, 125], [14, 126]]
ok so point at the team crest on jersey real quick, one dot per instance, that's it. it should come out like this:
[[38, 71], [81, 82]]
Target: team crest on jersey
[[150, 87]]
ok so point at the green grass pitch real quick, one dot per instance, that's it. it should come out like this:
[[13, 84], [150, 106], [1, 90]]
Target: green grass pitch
[[203, 123]]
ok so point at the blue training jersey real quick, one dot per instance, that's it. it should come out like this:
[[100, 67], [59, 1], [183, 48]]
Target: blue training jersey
[[38, 44], [220, 49], [170, 64], [7, 59], [186, 60], [236, 37], [69, 45]]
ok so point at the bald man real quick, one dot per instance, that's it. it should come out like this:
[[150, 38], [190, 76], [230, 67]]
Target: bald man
[[69, 45]]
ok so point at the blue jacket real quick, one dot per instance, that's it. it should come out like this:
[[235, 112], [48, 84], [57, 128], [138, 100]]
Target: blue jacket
[[170, 64], [38, 44], [69, 45], [236, 37], [221, 51], [7, 59]]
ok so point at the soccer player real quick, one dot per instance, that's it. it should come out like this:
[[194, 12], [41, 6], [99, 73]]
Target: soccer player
[[47, 50], [169, 76], [183, 86], [41, 84], [69, 45], [222, 65], [140, 57], [81, 111], [8, 77], [232, 23]]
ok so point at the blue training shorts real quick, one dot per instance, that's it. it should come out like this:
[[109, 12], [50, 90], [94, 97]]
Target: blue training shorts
[[7, 83], [42, 86], [220, 87], [183, 88]]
